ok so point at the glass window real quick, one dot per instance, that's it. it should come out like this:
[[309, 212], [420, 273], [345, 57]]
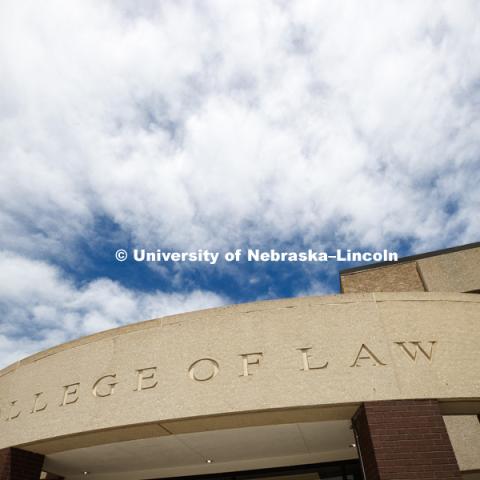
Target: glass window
[[347, 470]]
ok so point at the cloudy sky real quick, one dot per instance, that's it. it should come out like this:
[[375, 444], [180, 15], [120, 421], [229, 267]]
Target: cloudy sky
[[223, 124]]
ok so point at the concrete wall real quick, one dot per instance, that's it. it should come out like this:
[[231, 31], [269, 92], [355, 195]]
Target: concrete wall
[[279, 361]]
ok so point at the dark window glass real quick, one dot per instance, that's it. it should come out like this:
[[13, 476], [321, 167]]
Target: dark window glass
[[348, 470]]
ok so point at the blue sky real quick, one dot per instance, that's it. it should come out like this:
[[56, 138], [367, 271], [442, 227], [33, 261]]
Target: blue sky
[[183, 125]]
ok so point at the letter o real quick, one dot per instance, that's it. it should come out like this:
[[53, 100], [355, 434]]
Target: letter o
[[214, 369], [229, 256]]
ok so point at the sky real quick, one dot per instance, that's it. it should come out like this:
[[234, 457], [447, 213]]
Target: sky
[[186, 125]]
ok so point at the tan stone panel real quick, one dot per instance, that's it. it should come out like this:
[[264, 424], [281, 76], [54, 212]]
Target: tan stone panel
[[464, 433], [265, 358], [452, 272], [402, 277], [447, 330]]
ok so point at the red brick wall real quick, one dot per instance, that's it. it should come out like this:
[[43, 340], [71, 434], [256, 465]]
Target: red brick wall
[[404, 440], [16, 464]]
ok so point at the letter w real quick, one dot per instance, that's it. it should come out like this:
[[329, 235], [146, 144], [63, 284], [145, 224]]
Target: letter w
[[417, 347]]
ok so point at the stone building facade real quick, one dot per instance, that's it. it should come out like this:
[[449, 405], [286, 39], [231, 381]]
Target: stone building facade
[[378, 382]]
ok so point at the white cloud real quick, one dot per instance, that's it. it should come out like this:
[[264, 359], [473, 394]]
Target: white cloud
[[223, 123], [41, 308]]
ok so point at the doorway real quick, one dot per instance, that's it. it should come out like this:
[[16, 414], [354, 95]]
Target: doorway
[[346, 470]]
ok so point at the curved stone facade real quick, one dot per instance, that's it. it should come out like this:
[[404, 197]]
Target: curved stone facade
[[264, 362]]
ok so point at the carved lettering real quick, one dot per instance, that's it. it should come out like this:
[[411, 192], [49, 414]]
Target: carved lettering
[[246, 361], [70, 394], [306, 362], [203, 369], [106, 389], [417, 347], [14, 412], [366, 354], [37, 405], [146, 378]]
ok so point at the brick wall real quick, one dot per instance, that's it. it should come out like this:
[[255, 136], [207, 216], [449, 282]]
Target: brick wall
[[16, 464], [401, 277], [404, 440]]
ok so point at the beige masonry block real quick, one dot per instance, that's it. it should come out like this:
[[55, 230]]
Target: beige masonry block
[[457, 271], [452, 272], [402, 277]]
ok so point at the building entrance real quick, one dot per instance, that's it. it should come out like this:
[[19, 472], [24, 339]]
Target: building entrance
[[347, 470]]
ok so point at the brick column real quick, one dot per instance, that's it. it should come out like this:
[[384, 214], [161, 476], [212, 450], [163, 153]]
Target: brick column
[[16, 464], [404, 440]]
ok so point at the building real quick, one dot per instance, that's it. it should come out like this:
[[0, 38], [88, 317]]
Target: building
[[379, 382]]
